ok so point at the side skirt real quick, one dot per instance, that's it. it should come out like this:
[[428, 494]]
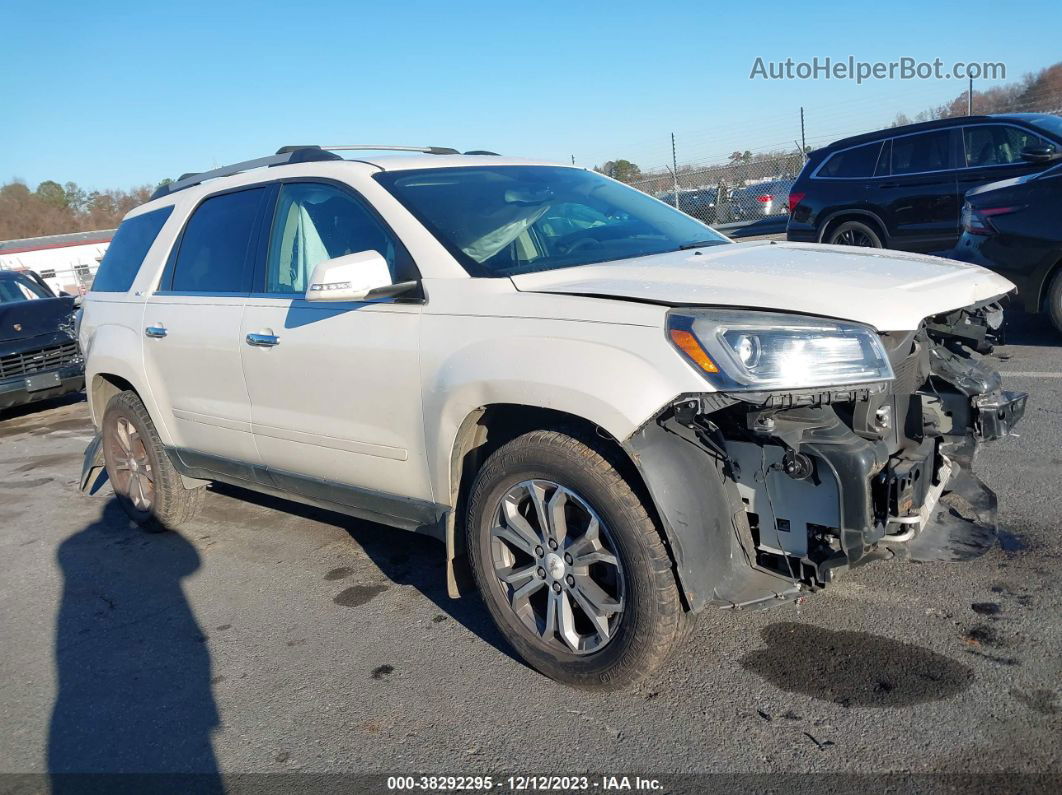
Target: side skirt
[[404, 513]]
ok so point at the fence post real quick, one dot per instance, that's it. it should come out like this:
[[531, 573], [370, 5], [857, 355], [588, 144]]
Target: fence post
[[674, 170], [803, 140]]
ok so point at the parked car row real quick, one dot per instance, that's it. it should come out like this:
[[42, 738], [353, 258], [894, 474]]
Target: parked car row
[[748, 203], [907, 188]]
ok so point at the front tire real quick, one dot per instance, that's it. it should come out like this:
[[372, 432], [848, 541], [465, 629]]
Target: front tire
[[854, 233], [1054, 301], [147, 486], [570, 565]]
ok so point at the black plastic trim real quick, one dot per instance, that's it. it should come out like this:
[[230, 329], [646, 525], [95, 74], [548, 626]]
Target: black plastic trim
[[402, 512]]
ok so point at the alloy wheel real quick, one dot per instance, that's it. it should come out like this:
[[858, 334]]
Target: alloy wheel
[[557, 566], [133, 475], [854, 237]]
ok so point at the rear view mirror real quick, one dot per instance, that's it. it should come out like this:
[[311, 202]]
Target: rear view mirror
[[352, 277], [1040, 154]]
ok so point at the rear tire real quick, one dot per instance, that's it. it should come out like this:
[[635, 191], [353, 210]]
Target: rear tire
[[854, 233], [147, 486], [1054, 301], [607, 583]]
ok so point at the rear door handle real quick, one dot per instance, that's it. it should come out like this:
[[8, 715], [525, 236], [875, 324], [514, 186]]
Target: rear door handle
[[155, 332], [262, 340]]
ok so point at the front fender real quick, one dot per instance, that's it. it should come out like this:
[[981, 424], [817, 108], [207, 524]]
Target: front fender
[[614, 376]]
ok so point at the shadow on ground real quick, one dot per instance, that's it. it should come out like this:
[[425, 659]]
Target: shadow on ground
[[133, 667], [404, 558]]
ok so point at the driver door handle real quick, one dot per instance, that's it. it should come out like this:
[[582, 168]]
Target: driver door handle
[[155, 332], [262, 340]]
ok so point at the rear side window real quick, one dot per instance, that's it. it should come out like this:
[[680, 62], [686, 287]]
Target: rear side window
[[216, 244], [127, 250], [915, 154], [856, 162]]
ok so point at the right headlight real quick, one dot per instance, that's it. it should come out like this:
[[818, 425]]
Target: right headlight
[[758, 351]]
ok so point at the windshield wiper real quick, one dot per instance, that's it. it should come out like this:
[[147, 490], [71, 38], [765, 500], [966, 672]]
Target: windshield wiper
[[699, 244]]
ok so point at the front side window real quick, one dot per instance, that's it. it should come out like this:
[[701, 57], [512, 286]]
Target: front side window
[[216, 245], [127, 250], [315, 222], [917, 154], [856, 162], [997, 144], [505, 220], [19, 288]]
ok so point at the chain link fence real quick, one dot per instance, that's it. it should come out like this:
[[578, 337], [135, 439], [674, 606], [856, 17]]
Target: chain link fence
[[751, 192], [743, 191]]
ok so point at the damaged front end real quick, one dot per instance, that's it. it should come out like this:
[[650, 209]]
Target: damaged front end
[[818, 479]]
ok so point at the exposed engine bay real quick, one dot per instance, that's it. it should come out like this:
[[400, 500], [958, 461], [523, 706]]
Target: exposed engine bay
[[824, 480]]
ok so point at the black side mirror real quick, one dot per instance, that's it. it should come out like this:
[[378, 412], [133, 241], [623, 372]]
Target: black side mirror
[[1040, 154]]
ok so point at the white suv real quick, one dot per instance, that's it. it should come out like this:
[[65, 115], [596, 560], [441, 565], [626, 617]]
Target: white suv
[[610, 414]]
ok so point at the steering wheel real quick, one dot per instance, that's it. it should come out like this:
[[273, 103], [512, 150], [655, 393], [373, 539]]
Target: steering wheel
[[581, 243]]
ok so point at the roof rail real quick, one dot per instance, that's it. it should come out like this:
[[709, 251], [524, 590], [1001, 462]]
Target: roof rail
[[286, 155], [289, 154], [428, 150]]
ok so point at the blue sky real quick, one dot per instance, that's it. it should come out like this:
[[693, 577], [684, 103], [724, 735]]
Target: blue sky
[[120, 94]]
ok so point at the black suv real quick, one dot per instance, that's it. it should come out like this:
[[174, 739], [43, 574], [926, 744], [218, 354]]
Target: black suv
[[903, 187]]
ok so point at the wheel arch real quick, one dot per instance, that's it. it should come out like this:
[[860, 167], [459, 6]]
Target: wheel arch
[[867, 216], [488, 427], [103, 387], [113, 364]]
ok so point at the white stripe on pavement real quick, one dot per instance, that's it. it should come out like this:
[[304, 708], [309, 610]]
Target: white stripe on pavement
[[1031, 374]]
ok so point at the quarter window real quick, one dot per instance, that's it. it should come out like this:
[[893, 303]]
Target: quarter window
[[997, 144], [856, 162], [916, 154], [127, 250], [215, 247], [315, 222]]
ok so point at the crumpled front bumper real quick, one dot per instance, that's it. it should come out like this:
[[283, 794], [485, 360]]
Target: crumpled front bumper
[[762, 502]]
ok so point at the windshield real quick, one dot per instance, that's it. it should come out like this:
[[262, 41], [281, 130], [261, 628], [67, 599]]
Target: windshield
[[19, 288], [1053, 124], [505, 220]]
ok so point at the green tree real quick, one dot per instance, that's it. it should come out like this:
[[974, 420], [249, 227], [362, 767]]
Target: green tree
[[622, 170], [76, 198], [52, 194]]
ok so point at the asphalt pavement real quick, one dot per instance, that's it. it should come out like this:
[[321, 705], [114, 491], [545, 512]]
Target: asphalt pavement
[[270, 637]]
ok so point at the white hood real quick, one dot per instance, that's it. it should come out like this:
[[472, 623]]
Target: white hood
[[889, 290]]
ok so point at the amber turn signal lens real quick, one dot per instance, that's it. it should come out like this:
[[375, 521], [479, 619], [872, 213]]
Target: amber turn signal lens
[[688, 344]]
